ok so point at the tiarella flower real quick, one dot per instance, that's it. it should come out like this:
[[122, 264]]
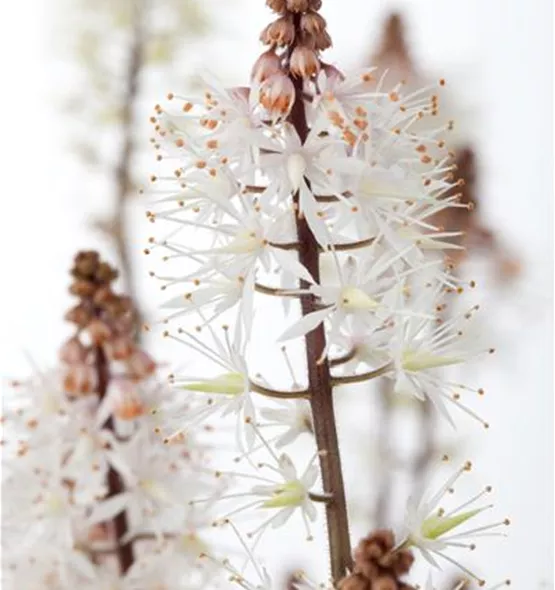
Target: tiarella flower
[[294, 415], [226, 393], [363, 293], [155, 477], [422, 346], [290, 165], [282, 496], [434, 530]]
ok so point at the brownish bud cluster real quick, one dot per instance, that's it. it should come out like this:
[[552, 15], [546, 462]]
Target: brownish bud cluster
[[295, 40], [105, 321], [378, 566]]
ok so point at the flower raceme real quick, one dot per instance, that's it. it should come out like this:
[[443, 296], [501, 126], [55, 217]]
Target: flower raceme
[[257, 186]]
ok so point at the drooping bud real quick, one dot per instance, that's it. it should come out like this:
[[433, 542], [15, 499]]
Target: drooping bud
[[80, 379], [332, 73], [140, 364], [322, 41], [298, 5], [266, 66], [120, 348], [277, 95], [304, 62], [73, 352], [277, 5], [313, 23], [98, 331], [281, 32]]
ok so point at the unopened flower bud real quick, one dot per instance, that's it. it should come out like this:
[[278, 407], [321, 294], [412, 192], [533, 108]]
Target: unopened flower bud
[[354, 582], [78, 315], [298, 5], [277, 5], [304, 62], [315, 4], [277, 95], [312, 23], [80, 379], [85, 264], [105, 273], [129, 407], [281, 32], [265, 66], [384, 583], [322, 41], [82, 288], [103, 295], [332, 73], [98, 331], [120, 348], [73, 352], [140, 364]]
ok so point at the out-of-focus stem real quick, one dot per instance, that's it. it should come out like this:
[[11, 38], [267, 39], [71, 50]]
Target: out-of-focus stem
[[119, 229], [115, 485]]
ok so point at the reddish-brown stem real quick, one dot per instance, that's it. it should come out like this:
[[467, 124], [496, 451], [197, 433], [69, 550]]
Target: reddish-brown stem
[[319, 381], [115, 484]]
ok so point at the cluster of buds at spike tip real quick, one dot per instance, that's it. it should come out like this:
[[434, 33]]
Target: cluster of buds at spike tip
[[379, 564], [104, 319], [295, 40]]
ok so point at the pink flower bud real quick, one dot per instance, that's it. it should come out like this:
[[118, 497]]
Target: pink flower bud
[[119, 348], [312, 23], [140, 364], [98, 331], [265, 66], [304, 62], [332, 73], [298, 5], [80, 379], [129, 407], [281, 32], [73, 352], [277, 95]]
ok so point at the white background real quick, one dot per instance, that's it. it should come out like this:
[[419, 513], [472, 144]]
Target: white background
[[496, 54]]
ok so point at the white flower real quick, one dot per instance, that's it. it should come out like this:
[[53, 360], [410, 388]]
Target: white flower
[[295, 415], [433, 530]]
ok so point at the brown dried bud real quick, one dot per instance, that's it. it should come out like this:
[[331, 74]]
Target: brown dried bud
[[80, 379], [312, 23], [281, 32], [73, 352], [315, 4], [354, 582], [277, 5], [304, 62], [265, 66], [79, 315], [98, 331], [140, 364], [82, 288], [298, 5], [85, 264], [105, 273], [277, 95], [322, 41]]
